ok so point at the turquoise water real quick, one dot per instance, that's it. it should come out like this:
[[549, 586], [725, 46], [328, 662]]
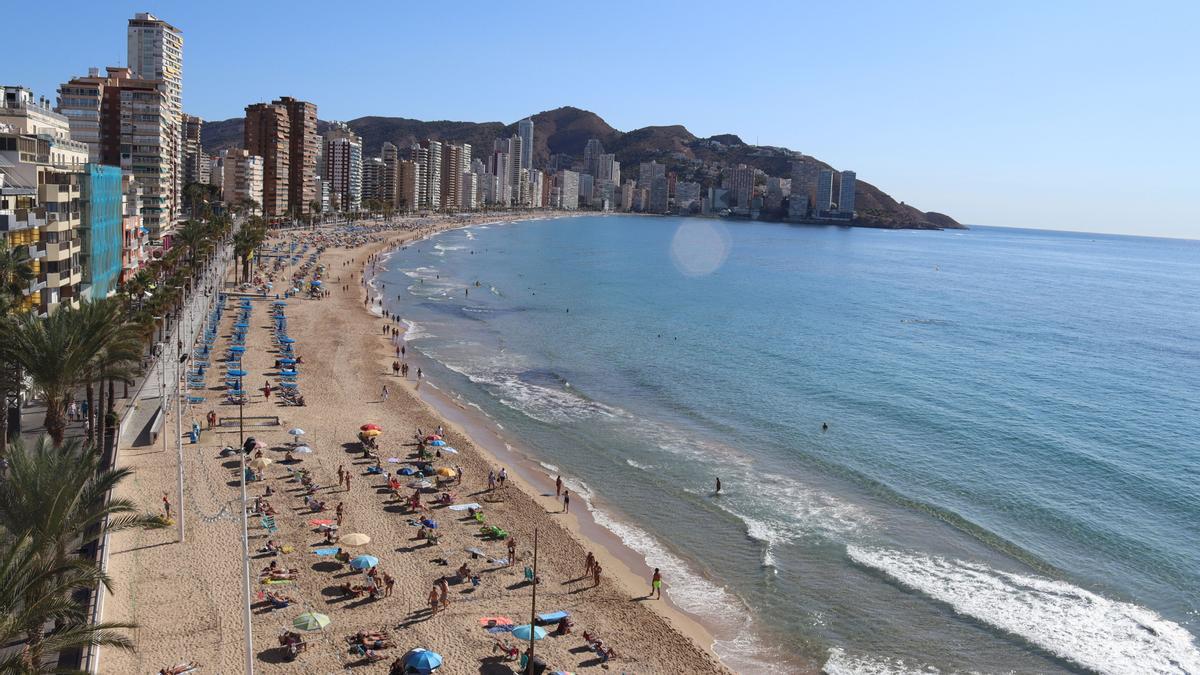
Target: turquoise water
[[1009, 476]]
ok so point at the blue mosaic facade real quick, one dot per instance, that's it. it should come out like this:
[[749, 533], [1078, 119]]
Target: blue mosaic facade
[[102, 229]]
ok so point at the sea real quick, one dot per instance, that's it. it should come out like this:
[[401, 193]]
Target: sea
[[939, 451]]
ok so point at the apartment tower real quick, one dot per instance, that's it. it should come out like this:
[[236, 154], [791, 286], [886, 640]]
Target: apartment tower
[[155, 50], [268, 135]]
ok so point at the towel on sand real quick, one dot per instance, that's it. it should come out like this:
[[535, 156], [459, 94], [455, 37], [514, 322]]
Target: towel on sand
[[325, 551]]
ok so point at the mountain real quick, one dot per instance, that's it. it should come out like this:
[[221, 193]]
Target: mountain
[[566, 131]]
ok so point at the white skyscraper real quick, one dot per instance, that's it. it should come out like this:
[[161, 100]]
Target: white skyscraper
[[525, 131], [155, 51]]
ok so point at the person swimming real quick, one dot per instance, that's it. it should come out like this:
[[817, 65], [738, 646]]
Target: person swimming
[[824, 426]]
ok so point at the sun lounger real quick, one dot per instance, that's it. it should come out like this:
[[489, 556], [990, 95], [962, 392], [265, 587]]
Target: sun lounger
[[552, 617]]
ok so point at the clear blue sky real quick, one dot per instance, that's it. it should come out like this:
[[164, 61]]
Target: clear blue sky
[[1062, 115]]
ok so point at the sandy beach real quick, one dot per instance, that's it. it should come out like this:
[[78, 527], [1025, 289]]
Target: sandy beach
[[187, 597]]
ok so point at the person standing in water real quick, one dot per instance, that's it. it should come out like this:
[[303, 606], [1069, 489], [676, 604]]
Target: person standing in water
[[718, 485]]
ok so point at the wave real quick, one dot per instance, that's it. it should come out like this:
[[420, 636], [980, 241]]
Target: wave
[[841, 663], [639, 465], [415, 331], [1065, 620]]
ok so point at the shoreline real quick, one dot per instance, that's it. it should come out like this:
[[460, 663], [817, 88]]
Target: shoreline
[[630, 567]]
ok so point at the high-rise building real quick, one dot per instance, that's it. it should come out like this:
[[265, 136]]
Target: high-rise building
[[824, 202], [155, 50], [608, 168], [242, 181], [268, 135], [129, 122], [501, 169], [372, 179], [586, 186], [408, 185], [431, 173], [344, 166], [303, 146], [741, 184], [805, 172], [470, 191], [515, 148], [195, 160], [455, 160], [568, 187], [777, 190], [525, 131], [648, 171], [846, 194], [40, 199], [390, 155], [591, 156], [419, 156]]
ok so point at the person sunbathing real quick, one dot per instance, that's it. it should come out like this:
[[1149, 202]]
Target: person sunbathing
[[464, 572], [509, 651], [180, 668], [271, 547], [363, 635], [279, 601]]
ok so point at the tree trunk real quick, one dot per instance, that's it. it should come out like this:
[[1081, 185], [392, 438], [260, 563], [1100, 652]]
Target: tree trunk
[[91, 413], [55, 422], [99, 416], [3, 420]]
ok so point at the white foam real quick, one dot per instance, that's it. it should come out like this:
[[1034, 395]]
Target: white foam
[[549, 467], [1092, 631], [415, 331], [639, 465], [840, 663]]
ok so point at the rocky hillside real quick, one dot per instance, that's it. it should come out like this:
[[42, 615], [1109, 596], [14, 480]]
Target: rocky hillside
[[566, 131]]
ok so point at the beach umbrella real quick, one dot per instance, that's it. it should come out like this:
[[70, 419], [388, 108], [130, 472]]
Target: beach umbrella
[[420, 485], [237, 349], [279, 303], [288, 361], [522, 632], [310, 621], [371, 433], [364, 562], [371, 426], [241, 324], [287, 340], [316, 283], [446, 472], [260, 463], [296, 431], [449, 449], [421, 661], [237, 372], [303, 449], [237, 392], [354, 539], [406, 471], [438, 443], [288, 385]]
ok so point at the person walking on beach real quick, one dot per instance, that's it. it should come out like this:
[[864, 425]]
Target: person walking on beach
[[596, 574], [444, 592], [386, 393], [395, 368], [503, 476], [491, 480], [655, 585], [73, 412], [512, 551], [433, 601], [212, 419], [347, 481], [588, 564], [402, 351], [558, 486], [166, 506], [566, 501], [418, 374], [341, 475]]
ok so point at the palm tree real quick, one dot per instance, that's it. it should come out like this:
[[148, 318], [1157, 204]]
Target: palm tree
[[247, 240], [35, 592], [61, 352], [56, 501], [16, 271]]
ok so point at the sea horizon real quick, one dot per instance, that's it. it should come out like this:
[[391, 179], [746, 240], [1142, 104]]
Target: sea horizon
[[823, 513]]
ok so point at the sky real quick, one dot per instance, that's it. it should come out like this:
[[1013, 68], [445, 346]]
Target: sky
[[1061, 115]]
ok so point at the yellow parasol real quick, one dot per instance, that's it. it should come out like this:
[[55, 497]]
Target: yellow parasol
[[260, 463], [354, 539]]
